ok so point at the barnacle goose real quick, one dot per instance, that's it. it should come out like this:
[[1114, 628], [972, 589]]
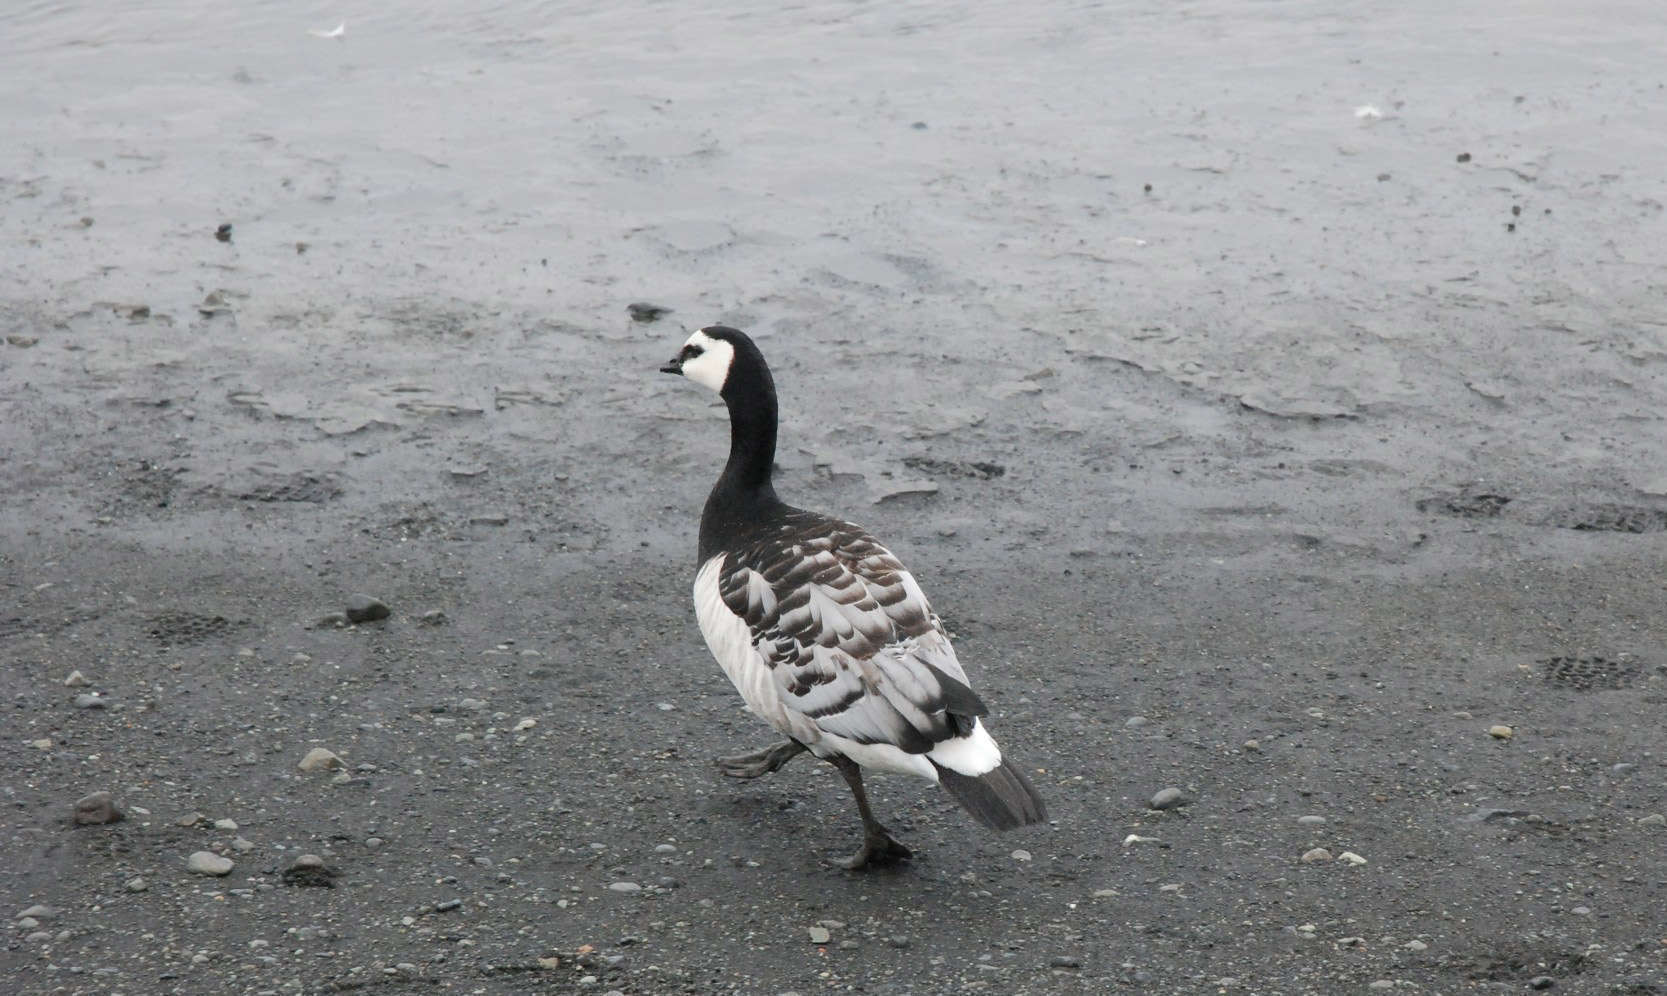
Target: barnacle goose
[[826, 635]]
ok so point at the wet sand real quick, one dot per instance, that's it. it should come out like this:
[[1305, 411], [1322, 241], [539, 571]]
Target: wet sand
[[1269, 397]]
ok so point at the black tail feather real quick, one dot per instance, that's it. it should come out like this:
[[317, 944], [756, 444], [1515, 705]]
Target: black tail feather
[[1001, 799]]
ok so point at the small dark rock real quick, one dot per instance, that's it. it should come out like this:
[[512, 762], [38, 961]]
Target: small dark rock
[[97, 808], [310, 871], [1065, 961], [1541, 982], [433, 617], [642, 311], [1464, 157], [224, 232], [364, 608], [448, 906]]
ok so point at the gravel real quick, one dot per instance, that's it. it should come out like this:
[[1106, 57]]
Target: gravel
[[209, 863]]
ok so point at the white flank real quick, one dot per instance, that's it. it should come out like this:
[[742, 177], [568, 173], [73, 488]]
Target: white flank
[[730, 641]]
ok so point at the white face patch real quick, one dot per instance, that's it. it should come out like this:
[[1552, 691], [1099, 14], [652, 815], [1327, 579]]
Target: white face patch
[[711, 367]]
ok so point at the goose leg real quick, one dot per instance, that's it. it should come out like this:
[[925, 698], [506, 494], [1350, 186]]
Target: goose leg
[[760, 762], [879, 847]]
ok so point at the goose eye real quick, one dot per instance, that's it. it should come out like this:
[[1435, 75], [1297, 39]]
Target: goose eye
[[691, 351]]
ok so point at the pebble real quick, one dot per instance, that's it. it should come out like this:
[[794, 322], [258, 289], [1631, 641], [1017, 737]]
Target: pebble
[[39, 937], [208, 863], [1415, 945], [644, 311], [1134, 722], [239, 844], [819, 935], [75, 680], [433, 617], [1253, 745], [1351, 858], [1500, 731], [1065, 961], [448, 905], [364, 608], [97, 808], [1653, 820], [225, 824], [898, 941], [137, 884], [37, 913], [26, 923], [1311, 821], [1021, 854], [89, 700], [525, 724], [471, 705], [374, 842], [1169, 798], [1541, 982], [625, 887], [1318, 854], [665, 848], [1382, 984], [320, 759]]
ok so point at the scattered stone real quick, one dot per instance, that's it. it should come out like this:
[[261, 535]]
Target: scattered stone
[[97, 808], [1065, 961], [1541, 982], [242, 846], [1351, 858], [624, 887], [819, 935], [471, 705], [1311, 821], [1020, 854], [433, 617], [26, 923], [1500, 731], [665, 848], [75, 680], [1253, 745], [224, 231], [37, 913], [642, 311], [1134, 722], [1352, 942], [137, 884], [89, 700], [364, 608], [190, 820], [1382, 984], [525, 725], [898, 941], [208, 863], [1316, 855], [1169, 798], [1653, 820], [225, 824], [1415, 945], [448, 905], [320, 759], [374, 842], [310, 871]]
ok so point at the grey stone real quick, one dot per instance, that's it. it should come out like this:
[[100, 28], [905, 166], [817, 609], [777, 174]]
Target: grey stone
[[209, 863], [320, 759], [364, 608], [89, 700], [1170, 798], [625, 887], [97, 808]]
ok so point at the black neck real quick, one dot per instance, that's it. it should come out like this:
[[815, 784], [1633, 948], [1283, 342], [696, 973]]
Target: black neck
[[743, 494]]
